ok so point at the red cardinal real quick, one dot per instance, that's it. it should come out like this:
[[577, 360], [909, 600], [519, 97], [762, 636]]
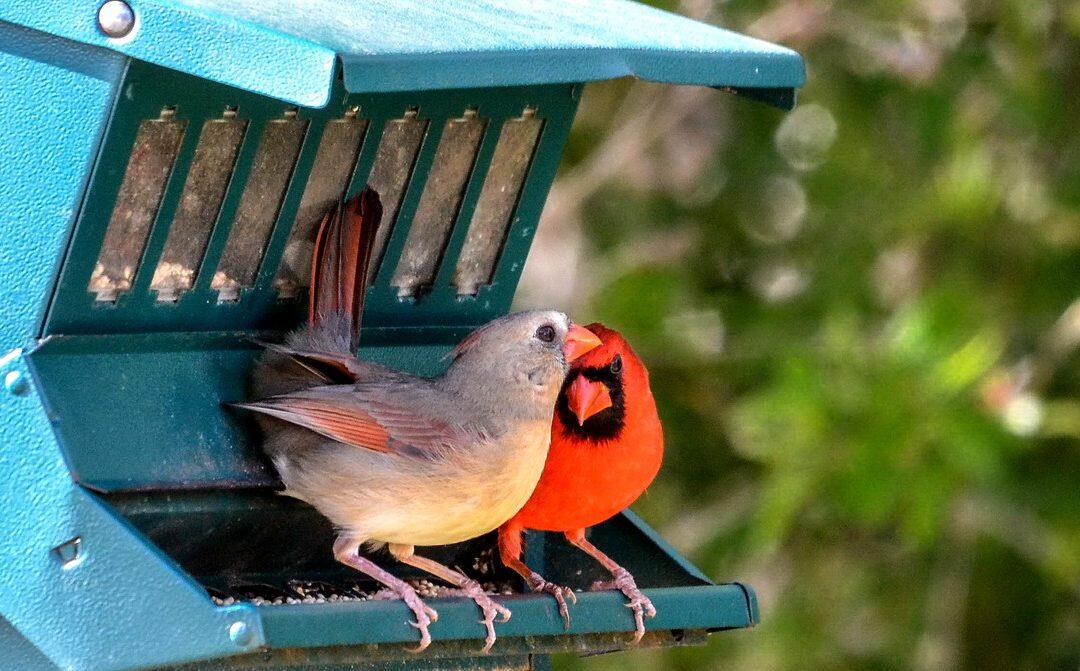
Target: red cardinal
[[606, 447]]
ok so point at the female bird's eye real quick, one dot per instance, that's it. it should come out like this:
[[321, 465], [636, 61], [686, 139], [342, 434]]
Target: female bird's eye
[[546, 333], [616, 364]]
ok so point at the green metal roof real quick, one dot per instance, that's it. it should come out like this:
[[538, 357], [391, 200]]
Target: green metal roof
[[289, 50]]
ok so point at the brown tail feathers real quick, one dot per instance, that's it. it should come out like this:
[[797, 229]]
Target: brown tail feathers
[[339, 266]]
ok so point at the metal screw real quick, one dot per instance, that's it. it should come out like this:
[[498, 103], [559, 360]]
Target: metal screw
[[15, 383], [116, 18], [239, 633]]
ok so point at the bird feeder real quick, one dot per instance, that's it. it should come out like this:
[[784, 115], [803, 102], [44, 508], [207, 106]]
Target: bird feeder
[[165, 164]]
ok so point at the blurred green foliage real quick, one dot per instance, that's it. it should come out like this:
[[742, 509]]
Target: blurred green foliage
[[862, 320]]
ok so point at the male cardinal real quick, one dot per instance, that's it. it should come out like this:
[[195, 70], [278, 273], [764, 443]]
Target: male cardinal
[[606, 448], [399, 460]]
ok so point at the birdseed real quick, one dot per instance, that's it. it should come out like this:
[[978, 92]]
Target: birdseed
[[298, 592]]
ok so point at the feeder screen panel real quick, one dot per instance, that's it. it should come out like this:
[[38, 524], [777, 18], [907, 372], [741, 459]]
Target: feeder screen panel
[[200, 202], [201, 209], [157, 143], [259, 206], [329, 178], [439, 203], [498, 200], [394, 163]]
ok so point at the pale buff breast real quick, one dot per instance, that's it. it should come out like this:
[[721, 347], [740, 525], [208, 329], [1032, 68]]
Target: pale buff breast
[[448, 501]]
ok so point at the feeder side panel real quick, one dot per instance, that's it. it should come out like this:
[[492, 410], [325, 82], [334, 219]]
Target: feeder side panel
[[79, 583], [57, 97], [19, 653]]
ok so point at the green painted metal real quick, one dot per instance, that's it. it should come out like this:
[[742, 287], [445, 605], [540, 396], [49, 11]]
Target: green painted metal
[[148, 89], [19, 653], [75, 606], [288, 50], [226, 540], [45, 163], [61, 94], [175, 383], [699, 608]]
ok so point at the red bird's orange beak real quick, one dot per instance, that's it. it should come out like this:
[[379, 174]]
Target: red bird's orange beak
[[586, 398], [579, 341]]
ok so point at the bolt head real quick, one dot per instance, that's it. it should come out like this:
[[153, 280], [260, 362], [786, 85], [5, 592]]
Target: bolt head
[[239, 633], [116, 18], [15, 383]]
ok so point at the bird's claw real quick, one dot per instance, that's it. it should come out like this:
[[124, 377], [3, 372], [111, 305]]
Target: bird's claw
[[425, 614], [432, 614], [639, 603], [560, 593], [489, 607]]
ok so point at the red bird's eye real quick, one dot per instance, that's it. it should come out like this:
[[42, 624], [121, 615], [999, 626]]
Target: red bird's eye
[[616, 364]]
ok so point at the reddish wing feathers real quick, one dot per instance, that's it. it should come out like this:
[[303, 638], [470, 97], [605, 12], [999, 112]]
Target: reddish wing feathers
[[426, 435], [361, 416], [345, 425], [339, 263], [365, 416]]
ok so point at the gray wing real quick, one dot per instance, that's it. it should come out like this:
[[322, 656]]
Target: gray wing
[[405, 418]]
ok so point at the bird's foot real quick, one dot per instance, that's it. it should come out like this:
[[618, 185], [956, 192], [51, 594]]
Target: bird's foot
[[487, 605], [561, 594], [639, 603], [425, 614]]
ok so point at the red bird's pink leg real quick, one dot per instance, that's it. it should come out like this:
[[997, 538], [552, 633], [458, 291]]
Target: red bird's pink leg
[[347, 551], [621, 580], [510, 553], [466, 587]]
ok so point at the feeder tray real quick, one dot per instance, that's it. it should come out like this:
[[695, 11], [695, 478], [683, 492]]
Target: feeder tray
[[158, 212]]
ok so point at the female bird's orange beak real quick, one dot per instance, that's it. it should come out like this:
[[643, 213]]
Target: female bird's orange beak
[[579, 340], [586, 398]]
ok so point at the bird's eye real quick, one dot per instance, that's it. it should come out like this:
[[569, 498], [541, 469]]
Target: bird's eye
[[616, 364], [546, 333]]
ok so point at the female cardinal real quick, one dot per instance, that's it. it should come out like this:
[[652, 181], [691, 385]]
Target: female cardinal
[[399, 460], [606, 448]]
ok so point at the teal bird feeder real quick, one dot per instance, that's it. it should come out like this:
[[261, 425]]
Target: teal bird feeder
[[164, 165]]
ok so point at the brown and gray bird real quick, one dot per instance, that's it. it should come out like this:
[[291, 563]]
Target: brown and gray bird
[[397, 460]]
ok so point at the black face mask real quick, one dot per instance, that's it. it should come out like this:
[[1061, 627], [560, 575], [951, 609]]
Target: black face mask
[[606, 424]]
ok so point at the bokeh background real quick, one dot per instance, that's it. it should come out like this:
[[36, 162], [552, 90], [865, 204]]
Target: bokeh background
[[862, 320]]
